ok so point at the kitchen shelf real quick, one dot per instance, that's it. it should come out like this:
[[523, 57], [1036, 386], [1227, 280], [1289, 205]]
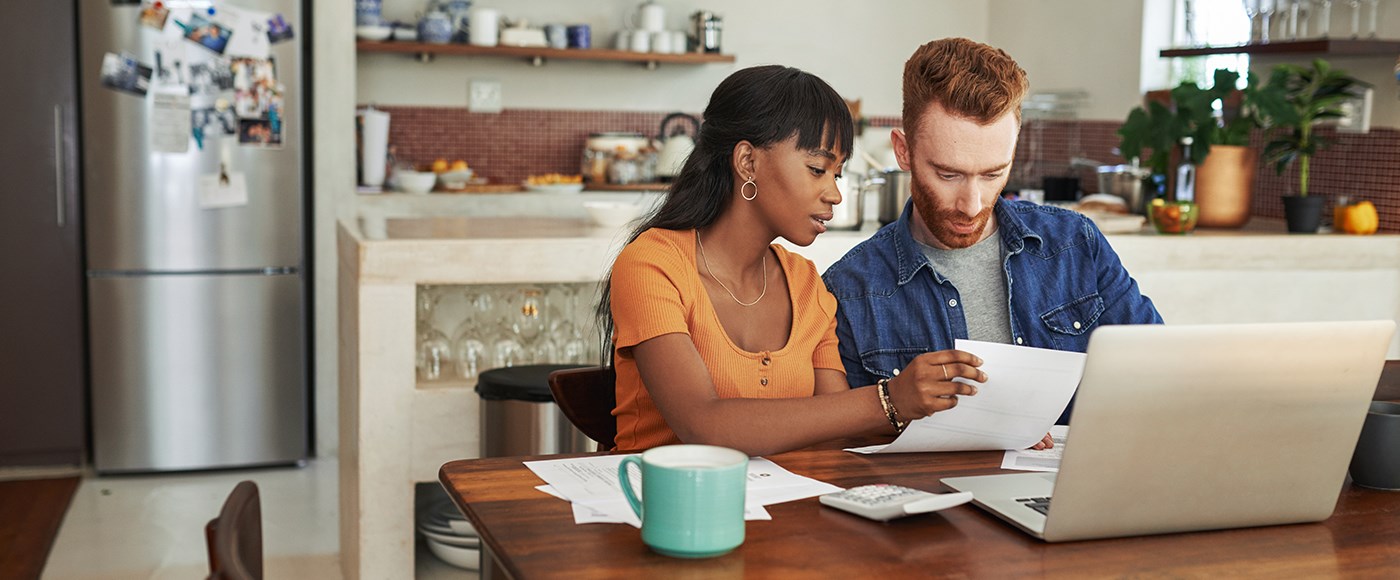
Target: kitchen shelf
[[1327, 46], [538, 55]]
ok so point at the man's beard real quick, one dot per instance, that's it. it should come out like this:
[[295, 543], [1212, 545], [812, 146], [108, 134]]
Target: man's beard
[[936, 218]]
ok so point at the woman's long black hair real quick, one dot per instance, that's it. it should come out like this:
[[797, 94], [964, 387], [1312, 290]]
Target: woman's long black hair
[[763, 105]]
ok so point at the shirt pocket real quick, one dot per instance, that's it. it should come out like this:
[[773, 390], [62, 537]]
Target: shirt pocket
[[1075, 318], [883, 363]]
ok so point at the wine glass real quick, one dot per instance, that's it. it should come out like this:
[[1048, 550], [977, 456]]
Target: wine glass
[[1355, 6], [434, 351], [1371, 17], [1251, 10], [471, 352], [1266, 18], [1323, 22]]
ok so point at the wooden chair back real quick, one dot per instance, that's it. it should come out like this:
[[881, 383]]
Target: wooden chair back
[[235, 537], [587, 397]]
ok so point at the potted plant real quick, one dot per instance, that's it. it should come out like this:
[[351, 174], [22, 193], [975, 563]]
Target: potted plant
[[1224, 180], [1310, 96]]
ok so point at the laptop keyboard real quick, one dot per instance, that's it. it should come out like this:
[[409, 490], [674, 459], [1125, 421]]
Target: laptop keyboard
[[1040, 504]]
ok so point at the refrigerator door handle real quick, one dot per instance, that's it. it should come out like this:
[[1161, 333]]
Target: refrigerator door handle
[[58, 163]]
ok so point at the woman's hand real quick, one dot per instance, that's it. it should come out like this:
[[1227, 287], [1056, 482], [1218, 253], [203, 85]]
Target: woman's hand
[[926, 386], [1045, 443]]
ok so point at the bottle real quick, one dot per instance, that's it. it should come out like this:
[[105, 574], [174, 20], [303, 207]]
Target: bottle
[[1186, 173]]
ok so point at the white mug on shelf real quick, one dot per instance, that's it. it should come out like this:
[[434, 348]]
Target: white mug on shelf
[[640, 41], [623, 40], [678, 41], [650, 17], [661, 42], [485, 27]]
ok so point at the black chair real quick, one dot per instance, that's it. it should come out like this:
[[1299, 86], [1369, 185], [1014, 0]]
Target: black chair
[[235, 537], [587, 397]]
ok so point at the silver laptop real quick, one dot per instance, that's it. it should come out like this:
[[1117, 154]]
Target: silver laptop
[[1184, 428]]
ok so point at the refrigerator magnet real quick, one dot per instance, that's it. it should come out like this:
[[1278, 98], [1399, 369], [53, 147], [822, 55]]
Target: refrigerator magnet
[[278, 30], [154, 14], [123, 73]]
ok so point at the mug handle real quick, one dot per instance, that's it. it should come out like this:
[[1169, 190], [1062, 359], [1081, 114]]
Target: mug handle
[[626, 482]]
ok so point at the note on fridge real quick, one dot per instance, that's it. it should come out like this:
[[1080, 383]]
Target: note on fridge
[[224, 190], [170, 120], [1026, 390]]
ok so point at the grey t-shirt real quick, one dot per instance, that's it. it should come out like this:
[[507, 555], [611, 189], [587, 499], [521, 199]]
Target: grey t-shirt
[[976, 272]]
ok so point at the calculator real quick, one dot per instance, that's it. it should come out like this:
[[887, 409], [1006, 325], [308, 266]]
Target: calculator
[[884, 502]]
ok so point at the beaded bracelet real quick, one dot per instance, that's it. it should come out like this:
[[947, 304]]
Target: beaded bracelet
[[883, 388]]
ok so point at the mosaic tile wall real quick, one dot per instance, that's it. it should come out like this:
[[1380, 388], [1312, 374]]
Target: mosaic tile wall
[[509, 146]]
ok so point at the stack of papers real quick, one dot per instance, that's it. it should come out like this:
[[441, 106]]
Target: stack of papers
[[591, 485], [1026, 390]]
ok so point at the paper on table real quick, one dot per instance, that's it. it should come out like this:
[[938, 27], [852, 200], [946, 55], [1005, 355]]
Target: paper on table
[[1044, 460], [591, 484], [1026, 390]]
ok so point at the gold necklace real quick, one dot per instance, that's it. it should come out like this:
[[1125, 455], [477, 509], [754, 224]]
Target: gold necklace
[[721, 282]]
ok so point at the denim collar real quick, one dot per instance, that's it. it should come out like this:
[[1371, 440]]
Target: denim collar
[[910, 259]]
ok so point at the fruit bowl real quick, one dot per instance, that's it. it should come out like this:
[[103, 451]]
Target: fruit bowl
[[1173, 217], [416, 181], [455, 179]]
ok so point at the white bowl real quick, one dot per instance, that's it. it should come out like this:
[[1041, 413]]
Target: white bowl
[[456, 179], [468, 558], [451, 539], [416, 181], [612, 214], [373, 32]]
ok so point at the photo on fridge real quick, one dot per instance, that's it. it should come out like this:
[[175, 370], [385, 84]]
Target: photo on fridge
[[210, 35], [153, 14], [122, 72]]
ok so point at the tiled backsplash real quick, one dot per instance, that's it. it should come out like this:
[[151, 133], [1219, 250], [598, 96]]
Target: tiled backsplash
[[515, 143]]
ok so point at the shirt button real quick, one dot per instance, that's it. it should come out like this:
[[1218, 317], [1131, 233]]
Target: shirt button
[[763, 381], [766, 361], [1076, 325], [952, 302], [1018, 340]]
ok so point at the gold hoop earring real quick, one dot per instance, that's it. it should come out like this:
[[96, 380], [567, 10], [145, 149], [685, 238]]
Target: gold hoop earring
[[747, 183]]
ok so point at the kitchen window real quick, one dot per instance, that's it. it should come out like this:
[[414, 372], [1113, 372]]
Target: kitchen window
[[1210, 23]]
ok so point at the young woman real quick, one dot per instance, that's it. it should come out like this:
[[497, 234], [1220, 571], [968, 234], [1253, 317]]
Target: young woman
[[721, 337]]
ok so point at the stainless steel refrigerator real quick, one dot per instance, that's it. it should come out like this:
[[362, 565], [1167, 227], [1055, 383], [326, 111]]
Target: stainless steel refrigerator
[[196, 287]]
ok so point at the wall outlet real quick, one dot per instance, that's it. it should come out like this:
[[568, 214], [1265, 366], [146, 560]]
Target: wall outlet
[[484, 96], [1356, 114]]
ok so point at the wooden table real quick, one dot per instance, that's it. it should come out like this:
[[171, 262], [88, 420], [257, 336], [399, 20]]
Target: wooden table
[[533, 535]]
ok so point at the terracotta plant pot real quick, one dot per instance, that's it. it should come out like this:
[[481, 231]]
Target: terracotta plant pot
[[1224, 184]]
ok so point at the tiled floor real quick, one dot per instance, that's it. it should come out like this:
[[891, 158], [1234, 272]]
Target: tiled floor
[[153, 526]]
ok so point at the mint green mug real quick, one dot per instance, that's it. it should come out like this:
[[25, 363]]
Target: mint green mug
[[692, 503]]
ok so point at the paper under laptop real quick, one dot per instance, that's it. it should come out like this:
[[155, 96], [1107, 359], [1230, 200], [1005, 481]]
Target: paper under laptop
[[1026, 391], [1186, 428]]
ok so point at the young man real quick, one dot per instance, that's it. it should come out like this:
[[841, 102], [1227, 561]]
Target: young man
[[960, 262]]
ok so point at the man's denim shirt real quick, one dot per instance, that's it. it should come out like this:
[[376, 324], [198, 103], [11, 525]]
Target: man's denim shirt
[[1062, 281]]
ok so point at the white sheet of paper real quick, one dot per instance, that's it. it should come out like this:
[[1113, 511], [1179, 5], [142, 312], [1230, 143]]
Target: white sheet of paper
[[214, 195], [1026, 390], [591, 484], [249, 31], [170, 120], [1044, 460]]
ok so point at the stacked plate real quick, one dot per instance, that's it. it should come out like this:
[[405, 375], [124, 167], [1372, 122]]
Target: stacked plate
[[450, 536]]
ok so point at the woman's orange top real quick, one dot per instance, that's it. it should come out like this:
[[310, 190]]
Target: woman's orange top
[[656, 290]]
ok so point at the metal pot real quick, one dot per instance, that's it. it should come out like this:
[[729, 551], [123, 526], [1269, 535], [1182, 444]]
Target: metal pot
[[1124, 181], [848, 214], [894, 191]]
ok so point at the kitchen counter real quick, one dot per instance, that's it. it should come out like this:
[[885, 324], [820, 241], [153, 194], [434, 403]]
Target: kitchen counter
[[395, 431]]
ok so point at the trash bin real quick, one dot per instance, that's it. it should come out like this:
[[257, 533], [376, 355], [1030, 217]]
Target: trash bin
[[519, 416]]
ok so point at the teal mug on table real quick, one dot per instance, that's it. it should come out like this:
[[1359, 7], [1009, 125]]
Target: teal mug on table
[[692, 503]]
